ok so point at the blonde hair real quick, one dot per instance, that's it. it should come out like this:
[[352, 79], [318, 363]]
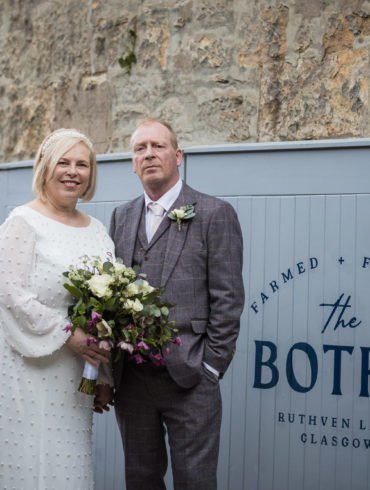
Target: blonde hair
[[54, 146], [151, 120]]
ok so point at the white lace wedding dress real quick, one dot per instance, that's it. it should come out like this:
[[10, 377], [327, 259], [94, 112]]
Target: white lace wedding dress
[[45, 423]]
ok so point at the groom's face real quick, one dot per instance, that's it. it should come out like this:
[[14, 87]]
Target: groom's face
[[155, 160]]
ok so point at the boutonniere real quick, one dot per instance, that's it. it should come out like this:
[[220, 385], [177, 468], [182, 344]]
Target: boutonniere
[[181, 214]]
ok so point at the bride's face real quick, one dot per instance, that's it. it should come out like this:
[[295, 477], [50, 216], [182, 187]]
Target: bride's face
[[71, 176]]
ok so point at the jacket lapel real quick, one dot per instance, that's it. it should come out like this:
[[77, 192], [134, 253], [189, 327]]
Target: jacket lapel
[[131, 227], [142, 231], [176, 238]]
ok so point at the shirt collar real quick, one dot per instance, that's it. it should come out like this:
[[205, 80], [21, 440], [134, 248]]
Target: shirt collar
[[168, 198]]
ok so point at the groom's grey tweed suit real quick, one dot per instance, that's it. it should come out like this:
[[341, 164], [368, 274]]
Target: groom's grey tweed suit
[[200, 268]]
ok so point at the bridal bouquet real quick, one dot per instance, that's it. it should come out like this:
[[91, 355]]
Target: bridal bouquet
[[116, 307]]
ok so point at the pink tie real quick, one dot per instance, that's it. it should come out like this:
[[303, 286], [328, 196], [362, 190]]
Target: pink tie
[[157, 214]]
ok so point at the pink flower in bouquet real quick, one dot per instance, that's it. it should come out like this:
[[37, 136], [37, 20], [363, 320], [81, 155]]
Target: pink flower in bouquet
[[137, 358], [142, 345], [105, 345], [95, 316], [126, 346], [157, 359], [91, 340]]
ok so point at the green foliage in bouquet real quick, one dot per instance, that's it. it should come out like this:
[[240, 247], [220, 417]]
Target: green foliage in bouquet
[[115, 304]]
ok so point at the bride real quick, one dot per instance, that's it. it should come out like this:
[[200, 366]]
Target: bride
[[45, 423]]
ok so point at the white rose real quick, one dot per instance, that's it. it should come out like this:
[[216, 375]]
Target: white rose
[[119, 267], [99, 285], [128, 304], [138, 305], [132, 289], [180, 213], [130, 273], [145, 287], [131, 305]]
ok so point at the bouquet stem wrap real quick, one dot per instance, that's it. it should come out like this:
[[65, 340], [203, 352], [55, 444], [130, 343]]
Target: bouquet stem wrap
[[89, 377]]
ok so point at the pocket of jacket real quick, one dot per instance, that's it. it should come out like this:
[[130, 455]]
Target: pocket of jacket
[[199, 326], [210, 376]]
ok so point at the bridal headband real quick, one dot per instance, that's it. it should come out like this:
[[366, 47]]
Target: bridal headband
[[64, 133]]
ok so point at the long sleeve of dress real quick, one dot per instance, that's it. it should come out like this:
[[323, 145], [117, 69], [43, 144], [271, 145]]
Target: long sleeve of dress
[[31, 327]]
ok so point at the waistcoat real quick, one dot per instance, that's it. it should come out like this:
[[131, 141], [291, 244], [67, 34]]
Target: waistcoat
[[149, 257]]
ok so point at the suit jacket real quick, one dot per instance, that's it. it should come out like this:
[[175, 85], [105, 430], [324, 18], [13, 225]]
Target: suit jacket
[[201, 271]]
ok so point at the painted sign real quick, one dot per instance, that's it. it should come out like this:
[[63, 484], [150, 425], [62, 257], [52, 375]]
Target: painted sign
[[309, 340]]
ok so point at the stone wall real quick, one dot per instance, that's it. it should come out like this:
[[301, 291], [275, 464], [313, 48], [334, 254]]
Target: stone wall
[[221, 71]]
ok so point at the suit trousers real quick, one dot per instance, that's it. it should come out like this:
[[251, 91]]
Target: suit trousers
[[148, 404]]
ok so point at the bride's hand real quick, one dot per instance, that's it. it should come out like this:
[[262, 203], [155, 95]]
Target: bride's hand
[[89, 352]]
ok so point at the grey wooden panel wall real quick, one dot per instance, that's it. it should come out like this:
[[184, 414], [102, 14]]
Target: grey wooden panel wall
[[304, 210]]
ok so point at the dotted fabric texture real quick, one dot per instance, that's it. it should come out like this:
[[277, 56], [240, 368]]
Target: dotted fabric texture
[[45, 423]]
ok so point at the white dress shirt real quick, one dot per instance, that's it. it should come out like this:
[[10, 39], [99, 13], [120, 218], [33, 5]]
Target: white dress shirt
[[166, 201]]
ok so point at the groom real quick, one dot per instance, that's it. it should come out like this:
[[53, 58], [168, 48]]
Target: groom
[[200, 268]]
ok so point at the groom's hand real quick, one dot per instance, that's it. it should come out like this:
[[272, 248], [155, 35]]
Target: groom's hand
[[104, 395]]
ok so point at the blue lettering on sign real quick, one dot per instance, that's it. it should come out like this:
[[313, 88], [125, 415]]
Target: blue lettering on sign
[[330, 440], [286, 276], [292, 380], [366, 262], [268, 369], [338, 349], [336, 314], [309, 419], [267, 354], [269, 364], [365, 372], [301, 365]]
